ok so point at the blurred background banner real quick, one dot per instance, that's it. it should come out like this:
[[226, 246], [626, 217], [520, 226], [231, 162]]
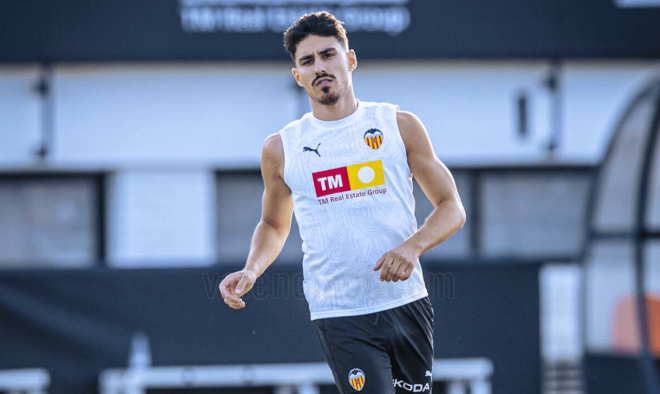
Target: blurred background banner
[[174, 30]]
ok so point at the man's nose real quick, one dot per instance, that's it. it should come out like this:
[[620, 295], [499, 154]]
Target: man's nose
[[319, 67]]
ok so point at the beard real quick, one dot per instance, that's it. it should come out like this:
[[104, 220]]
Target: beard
[[328, 97]]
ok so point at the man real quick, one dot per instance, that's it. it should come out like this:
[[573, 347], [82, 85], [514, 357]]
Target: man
[[346, 170]]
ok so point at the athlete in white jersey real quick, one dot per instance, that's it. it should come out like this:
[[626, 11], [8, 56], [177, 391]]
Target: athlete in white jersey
[[352, 197], [346, 170]]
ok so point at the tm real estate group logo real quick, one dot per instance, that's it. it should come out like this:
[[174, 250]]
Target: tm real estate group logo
[[261, 16]]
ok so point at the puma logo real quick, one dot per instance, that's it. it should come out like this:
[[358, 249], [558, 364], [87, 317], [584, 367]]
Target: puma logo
[[306, 149]]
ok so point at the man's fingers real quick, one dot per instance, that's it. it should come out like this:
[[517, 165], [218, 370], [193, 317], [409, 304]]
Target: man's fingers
[[380, 262], [392, 271], [226, 284], [231, 300], [235, 304], [234, 286], [395, 266], [386, 267], [241, 287], [400, 273]]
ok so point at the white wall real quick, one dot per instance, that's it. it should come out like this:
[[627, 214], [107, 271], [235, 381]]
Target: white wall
[[218, 114], [124, 115], [163, 128], [468, 108], [19, 114]]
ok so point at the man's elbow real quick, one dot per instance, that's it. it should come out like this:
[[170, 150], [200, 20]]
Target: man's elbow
[[453, 213], [279, 229], [461, 217]]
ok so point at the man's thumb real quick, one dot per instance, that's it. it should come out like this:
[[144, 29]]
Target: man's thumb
[[240, 286]]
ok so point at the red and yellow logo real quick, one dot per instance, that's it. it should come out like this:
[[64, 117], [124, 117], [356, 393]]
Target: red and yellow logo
[[373, 138], [355, 177], [356, 378]]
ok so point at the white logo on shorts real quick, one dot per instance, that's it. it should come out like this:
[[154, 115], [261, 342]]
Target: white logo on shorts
[[413, 388]]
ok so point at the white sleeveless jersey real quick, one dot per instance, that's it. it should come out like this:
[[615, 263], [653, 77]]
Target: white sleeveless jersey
[[353, 201]]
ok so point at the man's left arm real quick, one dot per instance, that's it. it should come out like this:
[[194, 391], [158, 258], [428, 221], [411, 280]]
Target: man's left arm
[[439, 187]]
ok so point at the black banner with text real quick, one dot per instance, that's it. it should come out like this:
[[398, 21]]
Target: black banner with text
[[193, 30]]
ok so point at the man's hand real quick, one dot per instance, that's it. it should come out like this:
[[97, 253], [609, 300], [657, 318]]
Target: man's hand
[[397, 264], [236, 285]]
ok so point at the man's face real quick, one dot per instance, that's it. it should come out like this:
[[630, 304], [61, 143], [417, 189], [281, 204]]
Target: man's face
[[323, 68]]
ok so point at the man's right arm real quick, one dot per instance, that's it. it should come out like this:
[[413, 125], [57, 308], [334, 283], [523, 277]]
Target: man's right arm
[[272, 230]]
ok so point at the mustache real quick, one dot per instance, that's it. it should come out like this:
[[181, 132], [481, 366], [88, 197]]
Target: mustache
[[321, 77]]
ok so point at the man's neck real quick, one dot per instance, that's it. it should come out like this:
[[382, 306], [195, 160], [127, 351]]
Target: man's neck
[[339, 110]]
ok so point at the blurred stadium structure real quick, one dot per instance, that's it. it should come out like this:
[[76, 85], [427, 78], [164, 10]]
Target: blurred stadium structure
[[130, 137]]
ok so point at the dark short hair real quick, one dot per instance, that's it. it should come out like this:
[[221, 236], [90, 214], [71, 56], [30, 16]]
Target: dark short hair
[[317, 24]]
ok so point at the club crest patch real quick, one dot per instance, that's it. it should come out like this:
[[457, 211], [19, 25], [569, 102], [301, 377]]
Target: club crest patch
[[373, 138], [356, 379]]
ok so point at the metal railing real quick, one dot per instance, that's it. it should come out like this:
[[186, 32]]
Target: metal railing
[[24, 381]]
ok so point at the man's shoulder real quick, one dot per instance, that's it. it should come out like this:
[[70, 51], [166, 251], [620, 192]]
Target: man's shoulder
[[406, 117], [272, 151], [294, 125], [369, 104], [379, 107]]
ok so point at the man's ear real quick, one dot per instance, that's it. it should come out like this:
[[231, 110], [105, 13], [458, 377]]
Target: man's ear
[[296, 76], [352, 60]]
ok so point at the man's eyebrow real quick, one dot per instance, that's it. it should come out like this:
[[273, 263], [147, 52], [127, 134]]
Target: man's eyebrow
[[303, 58], [323, 52]]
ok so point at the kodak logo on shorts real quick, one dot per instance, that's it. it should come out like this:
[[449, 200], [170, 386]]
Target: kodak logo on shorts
[[355, 177]]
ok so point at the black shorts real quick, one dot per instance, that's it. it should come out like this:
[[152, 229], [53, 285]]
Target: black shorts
[[381, 353]]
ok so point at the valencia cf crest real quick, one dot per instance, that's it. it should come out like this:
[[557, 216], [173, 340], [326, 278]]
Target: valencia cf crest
[[373, 138], [356, 379]]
